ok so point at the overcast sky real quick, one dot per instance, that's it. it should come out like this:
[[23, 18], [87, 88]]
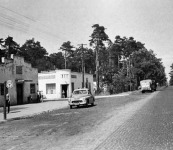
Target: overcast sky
[[53, 22]]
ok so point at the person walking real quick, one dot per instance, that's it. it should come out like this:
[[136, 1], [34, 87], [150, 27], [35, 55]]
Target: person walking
[[8, 101]]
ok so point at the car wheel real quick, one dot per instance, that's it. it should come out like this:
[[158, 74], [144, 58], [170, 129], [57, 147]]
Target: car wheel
[[86, 104], [71, 107], [92, 104]]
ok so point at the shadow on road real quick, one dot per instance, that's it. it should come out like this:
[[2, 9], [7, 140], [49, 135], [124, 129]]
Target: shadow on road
[[13, 110], [81, 107]]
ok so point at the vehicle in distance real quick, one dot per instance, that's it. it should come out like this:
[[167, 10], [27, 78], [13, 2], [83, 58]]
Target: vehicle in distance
[[148, 85], [81, 97]]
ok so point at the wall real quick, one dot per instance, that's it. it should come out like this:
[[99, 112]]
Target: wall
[[59, 77], [47, 78], [79, 79], [29, 75], [62, 77]]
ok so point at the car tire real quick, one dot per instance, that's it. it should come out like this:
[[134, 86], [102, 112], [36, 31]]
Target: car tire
[[92, 104], [86, 104]]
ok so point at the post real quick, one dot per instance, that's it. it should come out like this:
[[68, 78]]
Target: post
[[83, 66], [65, 60], [5, 112], [83, 74], [97, 69]]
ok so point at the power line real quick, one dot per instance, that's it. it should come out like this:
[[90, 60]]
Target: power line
[[18, 13], [24, 22], [15, 21]]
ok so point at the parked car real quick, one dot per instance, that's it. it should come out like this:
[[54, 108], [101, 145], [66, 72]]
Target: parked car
[[80, 97], [148, 85]]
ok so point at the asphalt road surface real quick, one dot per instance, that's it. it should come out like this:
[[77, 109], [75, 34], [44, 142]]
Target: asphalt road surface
[[134, 122]]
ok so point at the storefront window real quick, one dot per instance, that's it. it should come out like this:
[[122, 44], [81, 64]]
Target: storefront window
[[51, 88]]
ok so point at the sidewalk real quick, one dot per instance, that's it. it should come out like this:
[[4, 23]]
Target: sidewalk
[[22, 111]]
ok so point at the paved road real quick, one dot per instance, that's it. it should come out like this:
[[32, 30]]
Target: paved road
[[134, 122], [151, 128], [23, 111]]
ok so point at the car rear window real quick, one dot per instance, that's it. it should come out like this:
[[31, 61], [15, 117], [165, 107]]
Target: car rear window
[[80, 92]]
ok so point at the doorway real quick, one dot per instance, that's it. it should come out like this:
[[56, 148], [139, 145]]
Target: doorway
[[19, 94], [64, 88]]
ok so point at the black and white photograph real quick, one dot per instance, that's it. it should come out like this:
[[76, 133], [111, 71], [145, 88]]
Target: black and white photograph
[[86, 75]]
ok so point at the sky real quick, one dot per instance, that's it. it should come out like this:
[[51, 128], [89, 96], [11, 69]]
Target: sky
[[56, 21]]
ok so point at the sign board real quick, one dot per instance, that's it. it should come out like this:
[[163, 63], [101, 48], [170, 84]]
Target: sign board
[[9, 84]]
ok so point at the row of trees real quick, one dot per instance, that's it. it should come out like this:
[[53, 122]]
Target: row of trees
[[171, 75], [120, 64]]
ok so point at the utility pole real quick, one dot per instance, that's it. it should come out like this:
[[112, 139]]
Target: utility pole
[[65, 60], [5, 113], [97, 67], [83, 65]]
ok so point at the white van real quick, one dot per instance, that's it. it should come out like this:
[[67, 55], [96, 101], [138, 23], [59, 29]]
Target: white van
[[146, 85]]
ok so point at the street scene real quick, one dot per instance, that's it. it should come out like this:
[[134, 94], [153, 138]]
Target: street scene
[[127, 121], [86, 75]]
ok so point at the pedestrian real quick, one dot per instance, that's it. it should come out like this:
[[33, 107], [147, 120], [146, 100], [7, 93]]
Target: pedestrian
[[41, 96], [8, 101], [63, 94], [38, 96]]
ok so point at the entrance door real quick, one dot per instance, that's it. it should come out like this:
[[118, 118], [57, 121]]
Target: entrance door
[[19, 94], [64, 88]]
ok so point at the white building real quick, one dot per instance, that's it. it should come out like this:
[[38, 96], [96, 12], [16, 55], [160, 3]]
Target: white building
[[23, 77], [61, 83]]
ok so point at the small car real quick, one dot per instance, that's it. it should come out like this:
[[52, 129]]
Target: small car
[[81, 97]]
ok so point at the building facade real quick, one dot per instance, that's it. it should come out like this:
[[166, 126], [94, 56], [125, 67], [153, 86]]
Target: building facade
[[24, 80], [61, 83]]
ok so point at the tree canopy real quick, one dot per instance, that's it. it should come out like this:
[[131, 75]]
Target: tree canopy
[[171, 75], [121, 64]]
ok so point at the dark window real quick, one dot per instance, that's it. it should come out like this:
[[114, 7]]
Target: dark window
[[73, 76], [2, 88], [32, 88], [72, 86], [18, 69]]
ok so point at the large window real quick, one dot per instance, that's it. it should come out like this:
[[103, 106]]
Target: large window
[[51, 88], [32, 88]]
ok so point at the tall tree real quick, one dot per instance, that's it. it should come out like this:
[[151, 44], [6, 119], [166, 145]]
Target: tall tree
[[10, 46], [2, 51], [171, 75], [57, 60], [34, 53], [148, 66], [98, 37], [67, 48]]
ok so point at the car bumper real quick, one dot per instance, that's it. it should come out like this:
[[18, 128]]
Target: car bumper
[[73, 103], [145, 88]]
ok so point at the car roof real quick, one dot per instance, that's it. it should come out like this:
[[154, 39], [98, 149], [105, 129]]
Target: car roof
[[147, 80], [81, 89]]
